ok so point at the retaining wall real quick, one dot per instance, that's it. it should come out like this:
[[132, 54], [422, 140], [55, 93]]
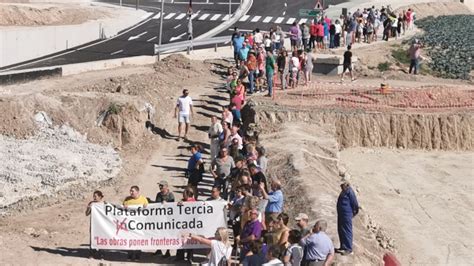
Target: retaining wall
[[19, 44]]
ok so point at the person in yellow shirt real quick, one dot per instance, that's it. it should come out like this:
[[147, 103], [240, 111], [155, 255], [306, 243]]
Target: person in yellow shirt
[[135, 199]]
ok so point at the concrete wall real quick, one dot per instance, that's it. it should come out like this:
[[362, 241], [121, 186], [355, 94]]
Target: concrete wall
[[18, 44]]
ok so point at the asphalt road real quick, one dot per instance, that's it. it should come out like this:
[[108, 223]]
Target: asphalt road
[[208, 14]]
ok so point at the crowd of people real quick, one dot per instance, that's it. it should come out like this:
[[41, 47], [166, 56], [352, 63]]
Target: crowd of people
[[261, 57], [238, 164]]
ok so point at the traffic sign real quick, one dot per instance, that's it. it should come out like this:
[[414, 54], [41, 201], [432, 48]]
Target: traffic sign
[[309, 12], [318, 5]]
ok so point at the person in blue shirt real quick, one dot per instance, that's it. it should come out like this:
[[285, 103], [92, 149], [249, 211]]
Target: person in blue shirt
[[318, 246], [347, 208], [326, 34], [195, 168], [237, 42], [275, 200], [244, 51]]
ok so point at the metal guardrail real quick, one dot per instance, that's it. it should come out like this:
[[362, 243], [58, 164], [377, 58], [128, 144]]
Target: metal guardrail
[[189, 45]]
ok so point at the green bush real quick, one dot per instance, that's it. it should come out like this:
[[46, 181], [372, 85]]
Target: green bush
[[401, 55], [384, 66], [114, 108]]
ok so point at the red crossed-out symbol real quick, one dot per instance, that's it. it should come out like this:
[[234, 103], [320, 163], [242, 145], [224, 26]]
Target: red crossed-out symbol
[[120, 226]]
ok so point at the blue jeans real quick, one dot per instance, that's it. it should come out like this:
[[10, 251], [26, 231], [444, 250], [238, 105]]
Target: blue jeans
[[270, 82], [414, 66], [251, 81], [331, 41]]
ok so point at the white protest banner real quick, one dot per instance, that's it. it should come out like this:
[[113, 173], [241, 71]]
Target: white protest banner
[[158, 226]]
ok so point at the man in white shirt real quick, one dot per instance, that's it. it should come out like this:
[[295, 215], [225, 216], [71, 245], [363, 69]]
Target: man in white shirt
[[185, 107], [214, 132], [235, 135], [258, 37]]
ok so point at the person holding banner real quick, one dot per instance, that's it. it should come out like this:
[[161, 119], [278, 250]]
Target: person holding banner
[[220, 247], [97, 197], [135, 199], [165, 195]]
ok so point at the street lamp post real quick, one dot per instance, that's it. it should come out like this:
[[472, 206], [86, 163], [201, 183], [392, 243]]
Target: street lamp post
[[160, 35], [230, 7]]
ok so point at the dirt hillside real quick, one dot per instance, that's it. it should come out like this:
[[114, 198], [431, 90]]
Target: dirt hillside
[[49, 14]]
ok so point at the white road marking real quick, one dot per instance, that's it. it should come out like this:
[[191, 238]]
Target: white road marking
[[267, 19], [116, 52], [290, 20], [279, 20], [157, 16], [226, 17], [180, 16], [195, 14], [137, 36], [151, 39], [177, 26], [303, 20], [284, 13], [170, 15], [215, 17], [82, 48], [177, 37], [203, 17], [255, 19], [244, 18]]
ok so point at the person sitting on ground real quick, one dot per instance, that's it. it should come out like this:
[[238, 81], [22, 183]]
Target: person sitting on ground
[[97, 197], [319, 249], [135, 199], [221, 249], [165, 195], [294, 253], [272, 256]]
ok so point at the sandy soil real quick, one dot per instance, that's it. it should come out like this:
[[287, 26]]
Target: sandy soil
[[65, 241], [55, 230], [41, 14], [423, 199]]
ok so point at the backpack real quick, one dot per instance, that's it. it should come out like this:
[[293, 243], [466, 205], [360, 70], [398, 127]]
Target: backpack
[[223, 261]]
